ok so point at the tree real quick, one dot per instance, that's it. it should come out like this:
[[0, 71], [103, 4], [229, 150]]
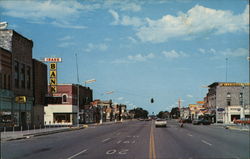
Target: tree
[[139, 113], [175, 113], [163, 114]]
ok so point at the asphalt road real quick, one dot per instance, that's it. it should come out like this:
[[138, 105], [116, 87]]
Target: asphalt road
[[134, 140]]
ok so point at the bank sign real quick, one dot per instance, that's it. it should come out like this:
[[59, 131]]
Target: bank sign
[[53, 73]]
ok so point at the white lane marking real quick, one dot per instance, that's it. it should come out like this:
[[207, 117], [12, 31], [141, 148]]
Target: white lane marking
[[189, 134], [110, 152], [77, 154], [205, 142], [119, 141], [123, 152], [106, 139]]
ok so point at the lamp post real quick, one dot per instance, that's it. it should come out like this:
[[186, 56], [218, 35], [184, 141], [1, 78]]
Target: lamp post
[[243, 103], [83, 110]]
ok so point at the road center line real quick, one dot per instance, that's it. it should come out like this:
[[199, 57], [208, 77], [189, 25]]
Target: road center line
[[205, 142], [77, 154], [106, 139]]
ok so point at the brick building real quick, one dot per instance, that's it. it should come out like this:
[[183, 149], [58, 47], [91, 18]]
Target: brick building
[[21, 79], [228, 101], [40, 91], [66, 106], [6, 93]]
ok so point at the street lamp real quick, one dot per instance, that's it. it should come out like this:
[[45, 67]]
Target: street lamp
[[108, 92], [85, 82], [89, 81], [243, 104]]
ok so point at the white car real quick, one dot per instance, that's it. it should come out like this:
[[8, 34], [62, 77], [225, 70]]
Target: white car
[[161, 123]]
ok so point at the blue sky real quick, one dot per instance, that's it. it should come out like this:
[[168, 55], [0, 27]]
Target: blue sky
[[166, 49]]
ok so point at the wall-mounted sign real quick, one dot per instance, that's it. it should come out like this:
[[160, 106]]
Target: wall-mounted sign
[[53, 59], [234, 84], [220, 109], [20, 99]]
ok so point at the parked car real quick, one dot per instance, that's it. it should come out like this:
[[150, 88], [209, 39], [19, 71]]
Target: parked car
[[187, 120], [242, 121], [160, 123], [201, 121]]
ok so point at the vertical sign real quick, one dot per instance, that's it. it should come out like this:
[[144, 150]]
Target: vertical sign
[[53, 77], [53, 73]]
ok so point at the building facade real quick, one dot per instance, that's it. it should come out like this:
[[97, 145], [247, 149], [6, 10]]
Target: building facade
[[68, 105], [228, 101], [40, 91], [6, 93], [20, 80]]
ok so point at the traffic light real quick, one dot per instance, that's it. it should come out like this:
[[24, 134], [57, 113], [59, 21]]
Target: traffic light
[[152, 100]]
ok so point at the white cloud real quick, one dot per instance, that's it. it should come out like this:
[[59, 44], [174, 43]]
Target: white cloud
[[66, 44], [202, 50], [174, 54], [190, 96], [227, 52], [198, 20], [58, 13], [209, 51], [65, 38], [133, 40], [140, 57], [134, 59], [125, 20], [124, 5], [235, 52], [120, 98], [99, 47]]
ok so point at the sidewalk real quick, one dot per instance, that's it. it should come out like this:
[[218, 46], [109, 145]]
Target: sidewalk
[[234, 126], [17, 135]]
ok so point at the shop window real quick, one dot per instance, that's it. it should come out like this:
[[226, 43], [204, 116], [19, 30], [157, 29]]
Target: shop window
[[28, 77], [9, 82], [4, 81], [16, 74], [228, 103], [241, 95], [22, 76], [228, 95], [64, 98], [1, 81]]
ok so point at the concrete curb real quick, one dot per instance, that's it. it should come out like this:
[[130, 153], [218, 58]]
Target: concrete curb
[[31, 135], [236, 128], [27, 136]]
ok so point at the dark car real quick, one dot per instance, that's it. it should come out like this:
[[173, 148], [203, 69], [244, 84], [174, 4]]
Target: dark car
[[201, 121]]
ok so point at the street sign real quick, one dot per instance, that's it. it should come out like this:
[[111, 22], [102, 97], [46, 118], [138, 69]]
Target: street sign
[[220, 109]]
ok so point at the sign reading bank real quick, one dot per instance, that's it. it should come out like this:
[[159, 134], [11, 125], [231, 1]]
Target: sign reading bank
[[53, 73]]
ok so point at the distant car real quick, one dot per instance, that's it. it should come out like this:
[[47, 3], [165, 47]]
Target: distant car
[[187, 121], [160, 123], [201, 121]]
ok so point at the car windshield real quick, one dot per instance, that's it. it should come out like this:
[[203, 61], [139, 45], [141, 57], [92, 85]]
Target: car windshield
[[124, 79]]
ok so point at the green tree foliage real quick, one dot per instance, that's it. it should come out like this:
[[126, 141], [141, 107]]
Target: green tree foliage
[[163, 114], [175, 113], [139, 113]]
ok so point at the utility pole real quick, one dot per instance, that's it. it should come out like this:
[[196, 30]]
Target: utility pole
[[78, 96]]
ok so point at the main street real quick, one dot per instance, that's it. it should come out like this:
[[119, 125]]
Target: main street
[[134, 140]]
